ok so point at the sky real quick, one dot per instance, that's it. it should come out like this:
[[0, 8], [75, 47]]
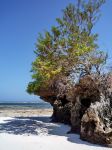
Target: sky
[[20, 23]]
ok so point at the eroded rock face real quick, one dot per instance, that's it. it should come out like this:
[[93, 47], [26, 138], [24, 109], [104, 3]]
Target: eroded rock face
[[56, 95], [91, 114], [47, 94], [61, 113], [87, 107], [75, 116], [85, 92], [96, 123]]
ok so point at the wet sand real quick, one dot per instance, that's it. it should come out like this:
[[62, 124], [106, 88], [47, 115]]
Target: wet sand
[[25, 112]]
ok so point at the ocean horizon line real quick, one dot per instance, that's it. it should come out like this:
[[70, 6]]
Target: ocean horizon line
[[9, 101]]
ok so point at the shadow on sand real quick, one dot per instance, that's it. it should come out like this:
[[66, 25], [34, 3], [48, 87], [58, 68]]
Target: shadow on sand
[[39, 126]]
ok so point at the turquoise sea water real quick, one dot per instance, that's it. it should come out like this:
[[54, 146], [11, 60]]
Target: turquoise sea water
[[18, 105]]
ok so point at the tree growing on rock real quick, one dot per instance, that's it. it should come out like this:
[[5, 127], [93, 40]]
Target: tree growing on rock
[[68, 53], [70, 48]]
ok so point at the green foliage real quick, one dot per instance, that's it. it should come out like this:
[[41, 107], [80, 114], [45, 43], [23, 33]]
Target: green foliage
[[69, 47]]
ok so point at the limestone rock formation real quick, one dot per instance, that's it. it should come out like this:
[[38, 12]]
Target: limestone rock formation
[[57, 96], [91, 114], [87, 107], [61, 112], [96, 123]]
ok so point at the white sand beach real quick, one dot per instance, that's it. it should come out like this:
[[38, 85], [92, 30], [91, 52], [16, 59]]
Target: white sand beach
[[38, 133]]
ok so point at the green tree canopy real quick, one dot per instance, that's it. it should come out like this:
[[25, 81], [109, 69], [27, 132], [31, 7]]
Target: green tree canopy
[[69, 48]]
